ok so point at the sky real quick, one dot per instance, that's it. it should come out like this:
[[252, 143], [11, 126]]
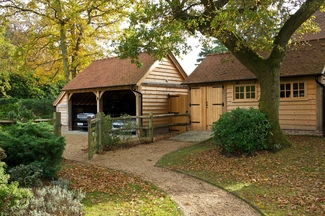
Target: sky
[[188, 62]]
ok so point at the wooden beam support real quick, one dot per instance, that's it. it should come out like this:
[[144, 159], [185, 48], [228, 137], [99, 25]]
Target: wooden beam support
[[99, 100], [70, 95]]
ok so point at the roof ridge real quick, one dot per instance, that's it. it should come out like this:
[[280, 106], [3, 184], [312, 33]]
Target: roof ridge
[[221, 53], [106, 58], [112, 57]]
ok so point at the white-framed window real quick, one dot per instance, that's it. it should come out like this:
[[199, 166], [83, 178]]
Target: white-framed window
[[242, 92], [292, 90]]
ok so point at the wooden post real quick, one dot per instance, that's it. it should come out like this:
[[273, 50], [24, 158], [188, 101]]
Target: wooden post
[[99, 131], [70, 122], [57, 123], [89, 139], [151, 126]]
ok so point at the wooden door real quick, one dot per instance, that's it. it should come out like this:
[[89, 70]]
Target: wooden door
[[178, 105], [214, 104], [198, 108], [206, 106]]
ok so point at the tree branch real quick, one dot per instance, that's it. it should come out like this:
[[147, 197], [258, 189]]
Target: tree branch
[[296, 20], [235, 44]]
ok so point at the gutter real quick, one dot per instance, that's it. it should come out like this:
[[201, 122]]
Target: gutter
[[323, 100]]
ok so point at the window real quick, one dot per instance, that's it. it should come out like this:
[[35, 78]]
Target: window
[[292, 90], [245, 92]]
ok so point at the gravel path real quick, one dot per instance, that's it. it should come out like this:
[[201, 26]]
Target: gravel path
[[193, 196]]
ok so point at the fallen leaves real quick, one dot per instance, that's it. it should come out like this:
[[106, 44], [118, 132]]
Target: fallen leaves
[[290, 182], [91, 178], [116, 192]]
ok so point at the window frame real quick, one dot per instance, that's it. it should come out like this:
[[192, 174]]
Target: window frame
[[292, 91], [245, 92]]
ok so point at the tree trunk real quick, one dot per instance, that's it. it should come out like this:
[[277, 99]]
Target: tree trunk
[[63, 45], [64, 54], [269, 104]]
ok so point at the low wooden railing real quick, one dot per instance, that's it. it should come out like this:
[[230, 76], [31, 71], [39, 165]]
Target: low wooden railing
[[56, 122], [95, 128]]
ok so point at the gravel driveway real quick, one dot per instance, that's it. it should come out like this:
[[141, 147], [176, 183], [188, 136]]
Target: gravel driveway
[[193, 196]]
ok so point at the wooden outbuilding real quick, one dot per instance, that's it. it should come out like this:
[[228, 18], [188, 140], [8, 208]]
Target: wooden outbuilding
[[115, 86], [221, 83]]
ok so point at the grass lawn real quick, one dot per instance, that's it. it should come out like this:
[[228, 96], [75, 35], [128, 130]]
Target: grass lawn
[[289, 182], [112, 192]]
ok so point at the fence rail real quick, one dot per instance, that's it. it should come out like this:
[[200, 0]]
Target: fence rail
[[95, 128], [56, 122]]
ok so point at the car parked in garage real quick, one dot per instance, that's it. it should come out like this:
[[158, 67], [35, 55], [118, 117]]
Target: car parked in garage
[[127, 124], [82, 119]]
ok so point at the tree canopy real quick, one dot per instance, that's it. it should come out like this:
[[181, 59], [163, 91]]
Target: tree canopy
[[63, 35], [6, 61], [245, 27]]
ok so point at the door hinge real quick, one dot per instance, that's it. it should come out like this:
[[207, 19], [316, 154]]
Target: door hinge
[[219, 104]]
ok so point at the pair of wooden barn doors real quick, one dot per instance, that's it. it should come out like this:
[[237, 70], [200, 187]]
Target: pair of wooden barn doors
[[206, 106]]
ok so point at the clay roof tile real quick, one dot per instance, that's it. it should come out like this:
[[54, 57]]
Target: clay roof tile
[[111, 72], [304, 59]]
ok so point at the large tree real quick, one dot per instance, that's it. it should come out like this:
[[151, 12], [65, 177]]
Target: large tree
[[245, 27], [65, 35], [8, 62]]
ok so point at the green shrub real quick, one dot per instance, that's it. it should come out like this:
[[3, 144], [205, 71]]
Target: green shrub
[[16, 109], [55, 199], [20, 113], [2, 154], [42, 108], [33, 143], [113, 140], [26, 175], [12, 198], [241, 131]]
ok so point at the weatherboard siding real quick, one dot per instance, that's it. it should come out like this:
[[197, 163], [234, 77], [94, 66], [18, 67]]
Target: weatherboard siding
[[156, 100], [294, 114], [232, 104], [62, 107], [299, 114], [164, 72], [162, 81]]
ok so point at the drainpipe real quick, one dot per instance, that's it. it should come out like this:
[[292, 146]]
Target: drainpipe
[[323, 101], [133, 89]]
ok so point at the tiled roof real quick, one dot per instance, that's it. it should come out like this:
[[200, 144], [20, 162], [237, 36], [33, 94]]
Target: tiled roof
[[308, 59], [110, 72], [320, 19]]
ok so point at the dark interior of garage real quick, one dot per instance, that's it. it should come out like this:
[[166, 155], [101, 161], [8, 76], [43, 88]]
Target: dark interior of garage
[[115, 103]]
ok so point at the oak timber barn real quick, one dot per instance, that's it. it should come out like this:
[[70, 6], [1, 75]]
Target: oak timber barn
[[221, 83], [115, 86]]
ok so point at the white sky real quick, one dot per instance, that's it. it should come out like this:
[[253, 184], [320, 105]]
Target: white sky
[[188, 62]]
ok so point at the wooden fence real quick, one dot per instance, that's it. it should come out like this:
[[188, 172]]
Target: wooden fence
[[95, 128], [95, 132], [56, 122]]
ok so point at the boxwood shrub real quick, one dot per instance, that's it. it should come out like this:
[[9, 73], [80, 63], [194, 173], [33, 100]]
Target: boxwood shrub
[[26, 175], [241, 131]]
